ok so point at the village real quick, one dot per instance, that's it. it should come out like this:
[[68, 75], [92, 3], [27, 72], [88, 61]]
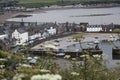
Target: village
[[39, 37], [59, 40], [16, 34]]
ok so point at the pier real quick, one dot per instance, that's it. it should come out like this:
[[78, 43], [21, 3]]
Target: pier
[[116, 53], [72, 54]]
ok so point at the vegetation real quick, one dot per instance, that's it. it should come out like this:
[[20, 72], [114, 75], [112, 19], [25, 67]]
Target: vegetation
[[18, 67], [79, 38], [94, 70], [5, 3], [118, 32], [13, 65], [39, 3]]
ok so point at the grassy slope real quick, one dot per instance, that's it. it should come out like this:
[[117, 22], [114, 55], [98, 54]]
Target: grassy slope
[[38, 3], [49, 1]]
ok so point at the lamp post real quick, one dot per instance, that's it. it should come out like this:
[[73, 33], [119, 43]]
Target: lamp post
[[112, 39], [96, 42], [79, 38]]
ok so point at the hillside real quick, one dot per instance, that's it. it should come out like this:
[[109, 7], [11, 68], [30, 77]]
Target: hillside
[[38, 3], [51, 1]]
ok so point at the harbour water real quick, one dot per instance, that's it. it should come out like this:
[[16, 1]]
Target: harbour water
[[91, 15], [106, 47], [68, 43]]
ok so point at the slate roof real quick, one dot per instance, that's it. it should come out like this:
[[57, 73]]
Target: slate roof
[[2, 32], [7, 1], [20, 30]]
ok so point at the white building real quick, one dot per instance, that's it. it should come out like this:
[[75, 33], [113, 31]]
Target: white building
[[48, 32], [34, 36], [45, 34], [20, 36], [94, 28], [52, 31], [3, 35]]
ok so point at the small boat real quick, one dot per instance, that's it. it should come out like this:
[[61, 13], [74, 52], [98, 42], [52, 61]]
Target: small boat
[[60, 54]]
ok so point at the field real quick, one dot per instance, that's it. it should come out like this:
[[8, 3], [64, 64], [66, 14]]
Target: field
[[53, 1], [48, 1], [39, 3]]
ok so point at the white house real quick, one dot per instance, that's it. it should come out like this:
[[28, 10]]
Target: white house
[[20, 36], [94, 28], [52, 31], [34, 36], [45, 34], [3, 35]]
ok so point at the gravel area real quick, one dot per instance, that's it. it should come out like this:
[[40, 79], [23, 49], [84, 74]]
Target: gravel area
[[67, 41]]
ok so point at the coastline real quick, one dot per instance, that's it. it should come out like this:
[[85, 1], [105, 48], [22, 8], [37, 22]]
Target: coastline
[[64, 8], [68, 43], [68, 40], [43, 10], [11, 14]]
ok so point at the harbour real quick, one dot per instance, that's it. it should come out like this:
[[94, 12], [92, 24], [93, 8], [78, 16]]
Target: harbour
[[67, 44], [59, 40], [92, 16]]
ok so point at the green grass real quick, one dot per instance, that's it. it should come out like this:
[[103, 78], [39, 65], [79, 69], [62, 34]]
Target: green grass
[[39, 3], [53, 1]]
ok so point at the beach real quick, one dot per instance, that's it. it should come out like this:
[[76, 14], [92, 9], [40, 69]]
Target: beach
[[96, 16], [37, 12], [68, 41]]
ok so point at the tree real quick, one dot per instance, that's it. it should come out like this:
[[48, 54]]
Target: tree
[[79, 38], [1, 44], [118, 32]]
